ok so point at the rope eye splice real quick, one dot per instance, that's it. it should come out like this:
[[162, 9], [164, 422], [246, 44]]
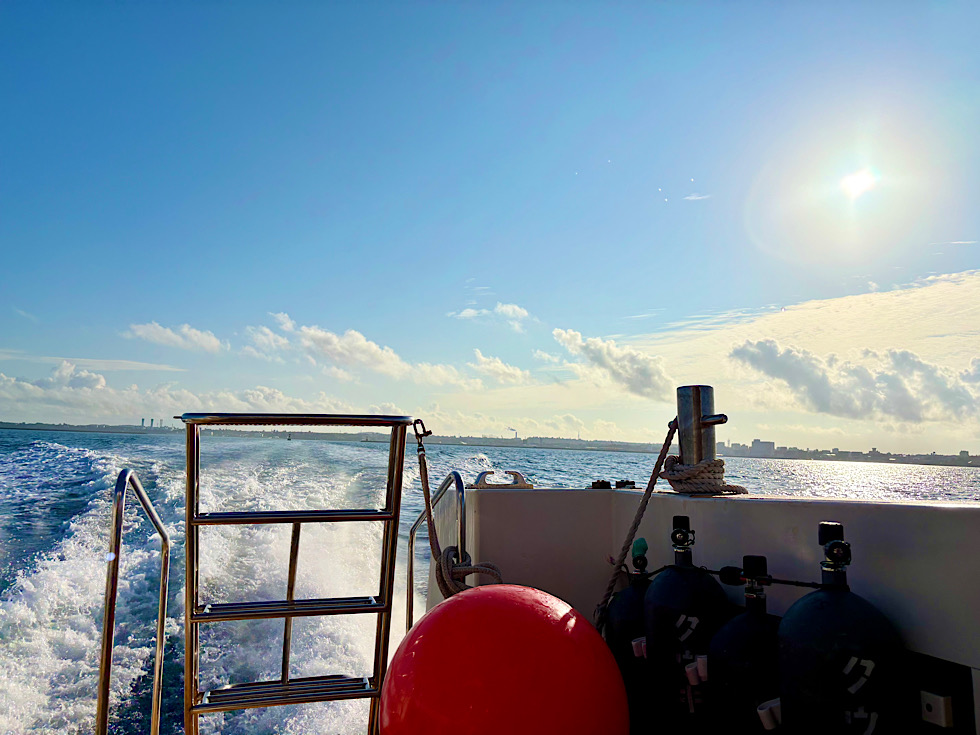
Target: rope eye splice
[[451, 570]]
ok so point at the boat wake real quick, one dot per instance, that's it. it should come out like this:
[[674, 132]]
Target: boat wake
[[50, 615]]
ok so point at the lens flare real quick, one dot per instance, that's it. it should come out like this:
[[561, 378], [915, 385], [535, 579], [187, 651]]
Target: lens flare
[[858, 183]]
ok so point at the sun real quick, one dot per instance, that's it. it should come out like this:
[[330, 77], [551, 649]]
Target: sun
[[858, 183]]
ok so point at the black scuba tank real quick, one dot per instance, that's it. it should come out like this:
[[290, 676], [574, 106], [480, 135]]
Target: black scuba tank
[[838, 655], [743, 666], [684, 606], [624, 625]]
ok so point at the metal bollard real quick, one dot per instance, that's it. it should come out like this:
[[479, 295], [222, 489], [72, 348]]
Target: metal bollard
[[696, 421]]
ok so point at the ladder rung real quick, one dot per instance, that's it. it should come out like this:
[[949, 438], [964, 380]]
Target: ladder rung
[[297, 691], [286, 609], [290, 516]]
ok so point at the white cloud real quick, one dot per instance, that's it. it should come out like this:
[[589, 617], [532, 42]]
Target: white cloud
[[90, 363], [26, 315], [511, 311], [499, 370], [71, 394], [67, 375], [645, 315], [972, 375], [938, 318], [282, 319], [184, 337], [566, 422], [429, 374], [469, 313], [249, 351], [385, 409], [695, 197], [545, 356], [337, 373], [266, 344], [353, 350], [513, 314], [897, 384], [603, 429], [637, 372], [267, 340]]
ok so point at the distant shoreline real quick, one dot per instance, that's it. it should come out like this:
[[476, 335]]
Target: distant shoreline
[[594, 445], [582, 445], [91, 428]]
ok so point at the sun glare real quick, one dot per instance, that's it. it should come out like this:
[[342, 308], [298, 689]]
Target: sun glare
[[857, 183]]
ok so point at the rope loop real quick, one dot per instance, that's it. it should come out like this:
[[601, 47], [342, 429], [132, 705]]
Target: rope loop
[[703, 478], [451, 570]]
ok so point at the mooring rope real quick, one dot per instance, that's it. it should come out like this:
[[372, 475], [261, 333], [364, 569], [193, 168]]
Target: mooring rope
[[451, 566], [703, 478], [600, 610]]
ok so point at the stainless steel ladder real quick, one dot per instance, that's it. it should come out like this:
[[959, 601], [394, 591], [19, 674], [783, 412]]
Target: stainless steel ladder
[[288, 690]]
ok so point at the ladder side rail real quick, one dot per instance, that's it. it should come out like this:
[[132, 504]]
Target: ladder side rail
[[452, 480], [127, 478], [389, 551], [287, 631], [191, 541]]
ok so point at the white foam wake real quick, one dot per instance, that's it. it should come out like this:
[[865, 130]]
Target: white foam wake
[[50, 619]]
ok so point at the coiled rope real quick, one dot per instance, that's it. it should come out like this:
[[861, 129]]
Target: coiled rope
[[703, 478], [451, 567]]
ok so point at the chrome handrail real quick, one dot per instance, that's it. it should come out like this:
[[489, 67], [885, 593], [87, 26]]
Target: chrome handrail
[[294, 419], [126, 479], [453, 478]]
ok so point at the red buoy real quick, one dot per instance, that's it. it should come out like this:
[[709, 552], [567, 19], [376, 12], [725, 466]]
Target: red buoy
[[503, 660]]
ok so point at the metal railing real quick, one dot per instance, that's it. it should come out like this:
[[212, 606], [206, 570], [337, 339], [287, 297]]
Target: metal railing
[[127, 479], [287, 689], [453, 479]]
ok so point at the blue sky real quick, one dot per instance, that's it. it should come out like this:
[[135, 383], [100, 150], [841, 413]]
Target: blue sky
[[427, 192]]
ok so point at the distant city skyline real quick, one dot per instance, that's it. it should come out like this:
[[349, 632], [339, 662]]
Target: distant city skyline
[[498, 217], [757, 449], [762, 449]]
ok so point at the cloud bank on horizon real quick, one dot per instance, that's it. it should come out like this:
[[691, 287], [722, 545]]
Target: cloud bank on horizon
[[898, 385], [919, 367]]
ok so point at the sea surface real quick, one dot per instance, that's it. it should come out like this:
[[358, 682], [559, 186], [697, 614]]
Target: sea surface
[[55, 490]]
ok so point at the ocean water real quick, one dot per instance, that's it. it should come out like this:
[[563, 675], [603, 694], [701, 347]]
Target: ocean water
[[55, 489]]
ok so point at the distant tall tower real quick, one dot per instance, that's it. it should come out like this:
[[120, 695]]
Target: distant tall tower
[[143, 423], [151, 423]]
